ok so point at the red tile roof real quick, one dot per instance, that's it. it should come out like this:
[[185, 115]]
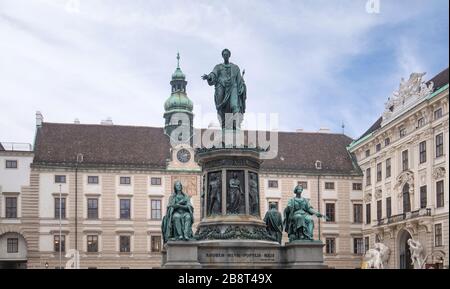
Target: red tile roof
[[149, 147]]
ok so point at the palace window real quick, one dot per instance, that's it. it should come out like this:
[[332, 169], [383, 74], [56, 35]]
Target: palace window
[[92, 243], [92, 208], [155, 181], [439, 145], [368, 214], [420, 122], [125, 209], [423, 197], [379, 173], [329, 185], [273, 184], [11, 164], [387, 141], [330, 245], [60, 208], [438, 235], [405, 162], [124, 244], [367, 153], [423, 152], [125, 180], [330, 212], [366, 244], [388, 168], [12, 245], [60, 179], [156, 243], [357, 213], [440, 194], [57, 243], [379, 209], [155, 209], [378, 147], [368, 177], [406, 199], [273, 202], [438, 113], [11, 207], [358, 246], [303, 184], [357, 186], [92, 179], [388, 207], [402, 132]]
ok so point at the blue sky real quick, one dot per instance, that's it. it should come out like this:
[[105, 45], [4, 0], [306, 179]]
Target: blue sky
[[316, 63]]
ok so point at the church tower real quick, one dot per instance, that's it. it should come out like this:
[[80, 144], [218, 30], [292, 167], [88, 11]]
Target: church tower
[[178, 108]]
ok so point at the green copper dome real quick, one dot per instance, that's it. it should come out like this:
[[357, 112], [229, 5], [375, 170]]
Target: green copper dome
[[178, 74], [178, 101]]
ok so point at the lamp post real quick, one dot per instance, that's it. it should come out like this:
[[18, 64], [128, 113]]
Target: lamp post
[[318, 168], [60, 228], [79, 161]]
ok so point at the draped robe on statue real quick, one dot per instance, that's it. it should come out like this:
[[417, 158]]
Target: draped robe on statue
[[177, 223], [298, 221], [230, 89]]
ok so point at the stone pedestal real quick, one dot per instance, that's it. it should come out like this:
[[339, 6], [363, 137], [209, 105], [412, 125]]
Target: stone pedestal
[[181, 255], [304, 255], [243, 254]]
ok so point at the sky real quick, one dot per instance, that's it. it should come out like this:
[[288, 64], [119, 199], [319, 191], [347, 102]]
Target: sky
[[316, 63]]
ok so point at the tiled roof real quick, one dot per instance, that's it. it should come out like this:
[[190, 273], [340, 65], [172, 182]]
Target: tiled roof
[[112, 145]]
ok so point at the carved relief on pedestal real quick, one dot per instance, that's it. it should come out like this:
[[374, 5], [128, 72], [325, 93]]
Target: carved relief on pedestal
[[438, 173]]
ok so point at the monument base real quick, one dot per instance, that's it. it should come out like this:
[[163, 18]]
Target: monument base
[[243, 254]]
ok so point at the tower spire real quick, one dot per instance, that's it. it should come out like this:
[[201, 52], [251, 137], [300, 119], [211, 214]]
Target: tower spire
[[178, 59]]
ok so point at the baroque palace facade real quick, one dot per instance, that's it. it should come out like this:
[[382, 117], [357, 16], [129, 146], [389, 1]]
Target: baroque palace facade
[[404, 157], [109, 186]]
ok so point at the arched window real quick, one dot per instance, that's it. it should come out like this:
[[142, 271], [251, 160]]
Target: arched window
[[406, 199]]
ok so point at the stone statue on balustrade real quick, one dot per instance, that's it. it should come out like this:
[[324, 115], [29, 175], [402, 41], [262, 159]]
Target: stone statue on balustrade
[[177, 223], [298, 220], [274, 223]]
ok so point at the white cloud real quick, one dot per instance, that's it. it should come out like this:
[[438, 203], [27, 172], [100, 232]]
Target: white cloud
[[115, 58]]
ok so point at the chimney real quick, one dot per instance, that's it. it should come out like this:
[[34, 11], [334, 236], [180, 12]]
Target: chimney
[[39, 119], [107, 121], [324, 130], [299, 130], [76, 121]]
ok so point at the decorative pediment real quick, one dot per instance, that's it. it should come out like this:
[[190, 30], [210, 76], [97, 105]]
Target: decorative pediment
[[438, 173], [406, 177], [378, 194], [409, 92]]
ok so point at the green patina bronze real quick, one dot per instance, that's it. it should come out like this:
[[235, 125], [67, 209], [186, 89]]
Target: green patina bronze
[[298, 217], [274, 223], [230, 89], [177, 223]]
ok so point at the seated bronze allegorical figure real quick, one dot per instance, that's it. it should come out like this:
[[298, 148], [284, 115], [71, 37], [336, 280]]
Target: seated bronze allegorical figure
[[298, 217], [177, 223]]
